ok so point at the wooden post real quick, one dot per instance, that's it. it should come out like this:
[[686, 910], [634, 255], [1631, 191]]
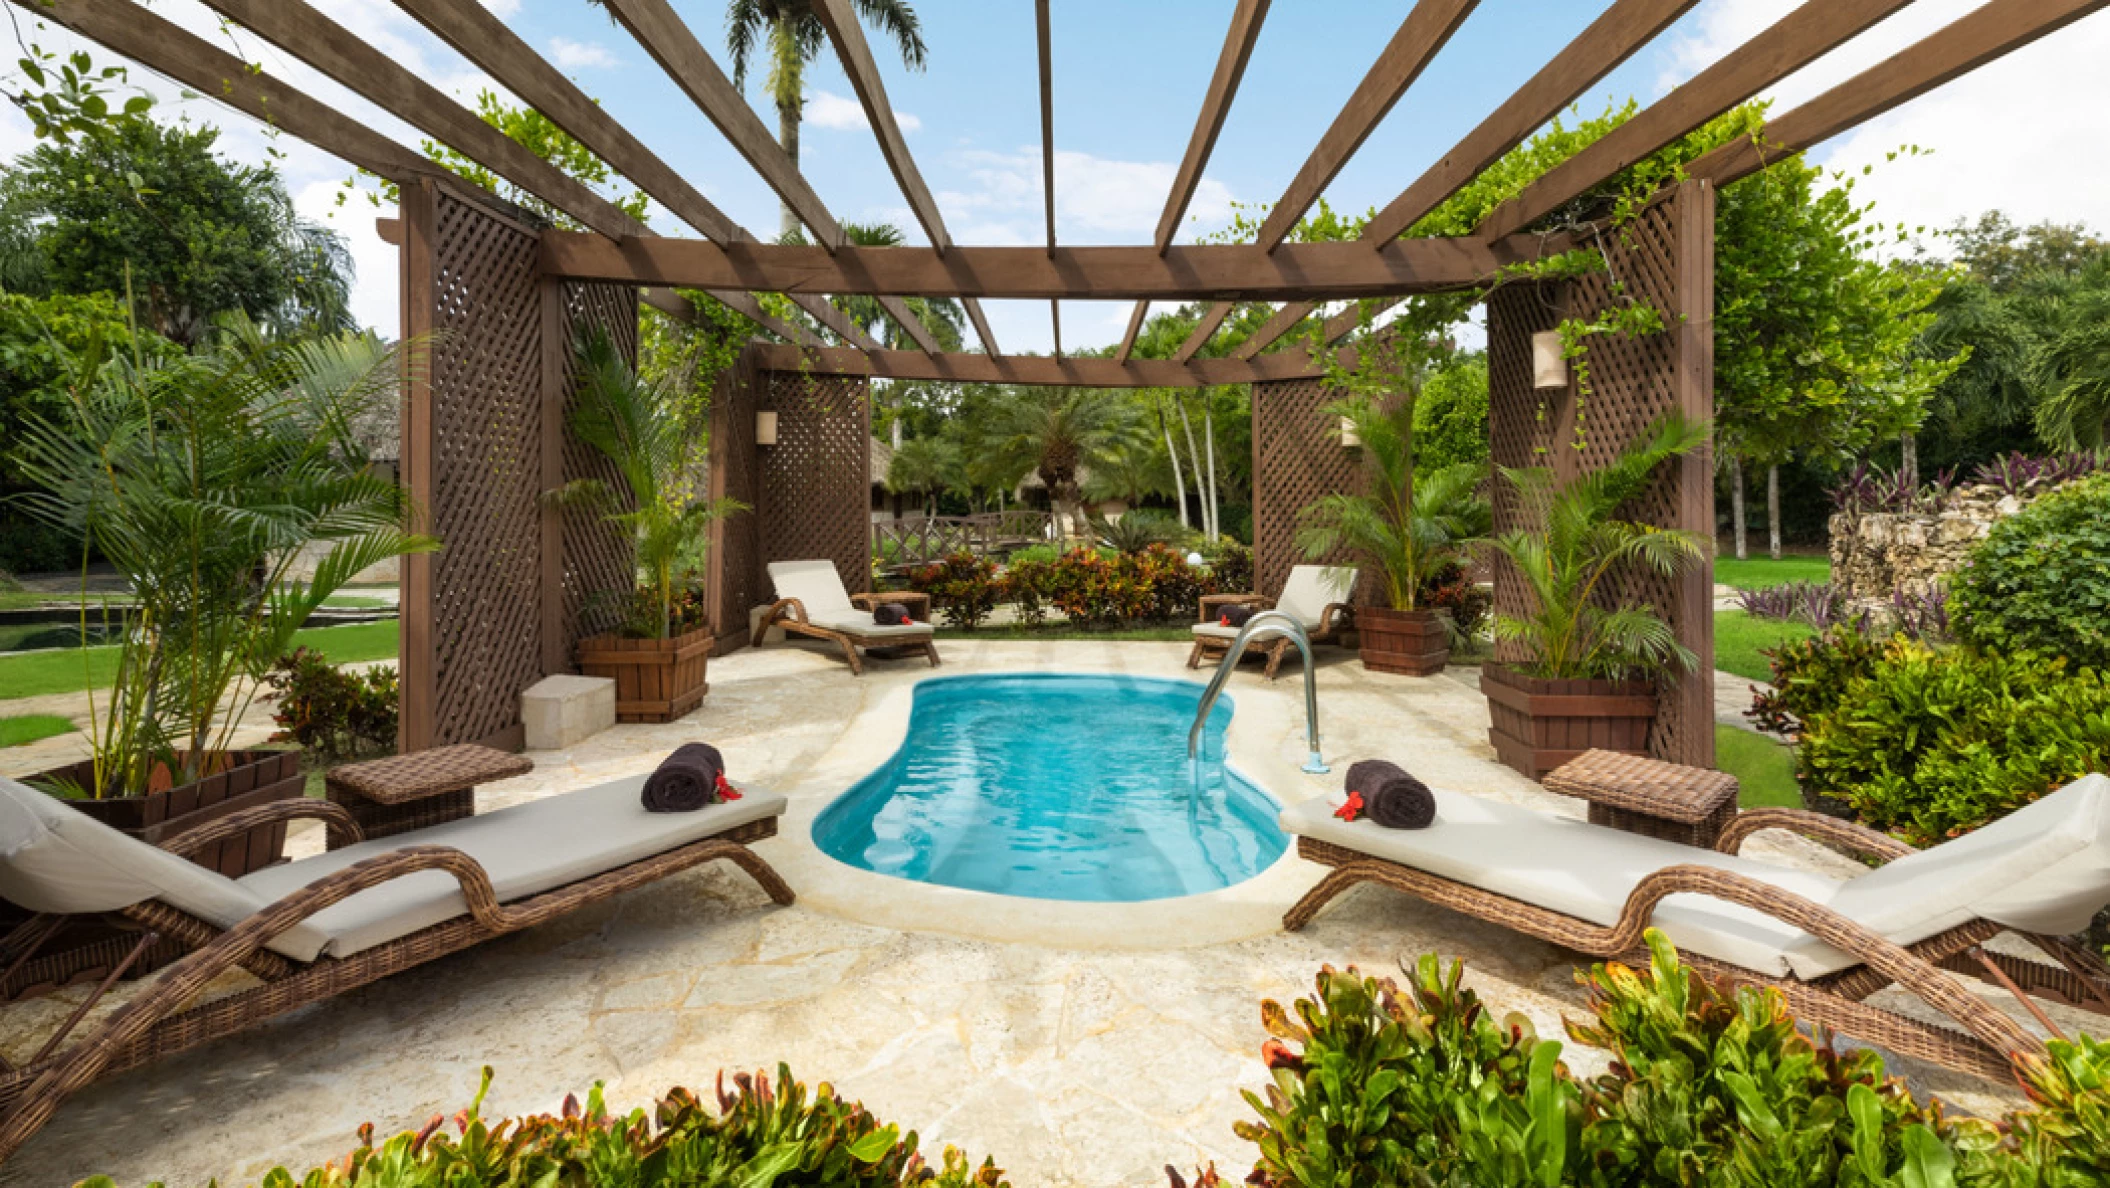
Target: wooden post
[[1693, 394], [556, 649], [415, 669]]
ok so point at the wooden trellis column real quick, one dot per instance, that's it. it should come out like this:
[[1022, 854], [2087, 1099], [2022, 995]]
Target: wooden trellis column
[[485, 403], [1297, 458], [1666, 256]]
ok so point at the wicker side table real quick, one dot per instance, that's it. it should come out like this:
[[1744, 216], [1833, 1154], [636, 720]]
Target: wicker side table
[[406, 792], [1689, 805]]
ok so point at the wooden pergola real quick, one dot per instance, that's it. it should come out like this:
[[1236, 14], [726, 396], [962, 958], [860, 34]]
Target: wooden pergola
[[501, 295]]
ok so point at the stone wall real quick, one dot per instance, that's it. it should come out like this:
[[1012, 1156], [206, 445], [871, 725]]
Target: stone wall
[[1882, 552]]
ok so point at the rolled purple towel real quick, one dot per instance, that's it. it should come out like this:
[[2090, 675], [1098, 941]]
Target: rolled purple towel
[[1235, 615], [686, 780], [890, 614], [1391, 797]]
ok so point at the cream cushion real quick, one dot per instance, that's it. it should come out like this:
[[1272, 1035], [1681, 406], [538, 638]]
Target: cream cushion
[[862, 625], [814, 583], [1581, 870], [2043, 868], [526, 849], [55, 858], [1312, 588]]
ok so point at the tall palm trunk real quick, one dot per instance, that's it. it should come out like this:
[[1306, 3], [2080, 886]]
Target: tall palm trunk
[[1179, 483], [1736, 504], [1200, 484], [1773, 509], [1909, 459], [1209, 438], [787, 85]]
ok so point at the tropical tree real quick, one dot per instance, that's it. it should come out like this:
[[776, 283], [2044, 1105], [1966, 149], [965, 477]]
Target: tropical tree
[[150, 206], [202, 478], [944, 317], [1578, 545], [1131, 472], [2073, 366], [654, 435], [792, 35], [1060, 433], [926, 466]]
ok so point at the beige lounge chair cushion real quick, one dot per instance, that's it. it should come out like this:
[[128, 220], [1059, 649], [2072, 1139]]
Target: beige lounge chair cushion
[[526, 849], [1584, 871], [1312, 588], [816, 584], [2043, 868], [55, 858], [862, 625]]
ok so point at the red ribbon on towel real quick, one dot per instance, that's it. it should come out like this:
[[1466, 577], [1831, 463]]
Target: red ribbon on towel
[[1351, 808], [725, 789]]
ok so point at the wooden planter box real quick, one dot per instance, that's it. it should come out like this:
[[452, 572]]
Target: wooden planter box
[[656, 680], [1413, 643], [1537, 725], [87, 950]]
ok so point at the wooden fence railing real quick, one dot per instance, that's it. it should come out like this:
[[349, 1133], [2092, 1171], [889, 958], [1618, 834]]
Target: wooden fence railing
[[921, 541]]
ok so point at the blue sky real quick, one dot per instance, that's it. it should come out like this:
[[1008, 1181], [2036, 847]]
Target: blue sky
[[1129, 80]]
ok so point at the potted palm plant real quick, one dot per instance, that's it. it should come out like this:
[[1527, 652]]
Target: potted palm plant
[[653, 434], [201, 479], [1590, 677], [1408, 527]]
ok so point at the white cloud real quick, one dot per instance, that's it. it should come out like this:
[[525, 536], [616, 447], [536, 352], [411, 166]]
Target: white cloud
[[1097, 200], [826, 109], [579, 55], [504, 8], [1992, 137]]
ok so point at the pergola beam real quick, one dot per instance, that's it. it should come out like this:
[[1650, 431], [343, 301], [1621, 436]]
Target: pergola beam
[[668, 39], [1792, 42], [1037, 370], [1227, 272], [863, 71], [486, 41], [1598, 50], [1216, 105], [1043, 34], [1419, 38], [1998, 28]]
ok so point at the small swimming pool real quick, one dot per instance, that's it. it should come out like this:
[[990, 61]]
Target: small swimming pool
[[1057, 787]]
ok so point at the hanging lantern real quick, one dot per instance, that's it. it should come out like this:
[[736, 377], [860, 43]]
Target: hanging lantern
[[1549, 366], [1350, 439], [766, 427]]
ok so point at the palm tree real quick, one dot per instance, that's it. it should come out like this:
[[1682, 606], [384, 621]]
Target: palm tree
[[795, 37], [2072, 366], [944, 317], [1060, 434], [1568, 567], [653, 434], [926, 466], [1410, 524], [1132, 473]]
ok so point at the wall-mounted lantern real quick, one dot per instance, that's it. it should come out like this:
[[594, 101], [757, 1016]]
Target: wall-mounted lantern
[[1350, 439], [766, 427], [1549, 366]]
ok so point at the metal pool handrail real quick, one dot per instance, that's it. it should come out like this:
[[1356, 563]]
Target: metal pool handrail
[[1276, 623]]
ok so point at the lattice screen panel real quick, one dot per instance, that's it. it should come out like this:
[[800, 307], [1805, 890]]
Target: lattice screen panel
[[737, 580], [486, 471], [1297, 457], [1632, 382], [814, 487], [598, 558]]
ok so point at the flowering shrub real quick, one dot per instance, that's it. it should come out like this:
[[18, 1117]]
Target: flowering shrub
[[1453, 589], [1152, 584], [759, 1135], [1375, 1084], [1230, 565], [1027, 584], [2024, 474], [331, 713], [963, 587]]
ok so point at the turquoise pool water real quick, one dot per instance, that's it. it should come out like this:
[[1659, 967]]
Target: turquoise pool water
[[1057, 787]]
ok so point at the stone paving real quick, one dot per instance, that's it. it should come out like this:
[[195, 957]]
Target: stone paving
[[1079, 1049]]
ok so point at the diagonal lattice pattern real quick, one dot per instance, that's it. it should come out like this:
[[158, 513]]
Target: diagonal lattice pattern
[[598, 559], [814, 489], [1297, 457]]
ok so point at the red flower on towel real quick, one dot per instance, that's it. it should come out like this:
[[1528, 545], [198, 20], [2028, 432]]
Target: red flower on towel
[[726, 791], [1224, 622], [1351, 808]]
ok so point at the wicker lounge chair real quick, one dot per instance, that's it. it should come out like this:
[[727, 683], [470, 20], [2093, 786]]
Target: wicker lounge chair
[[1826, 944], [317, 927], [811, 601], [1318, 595]]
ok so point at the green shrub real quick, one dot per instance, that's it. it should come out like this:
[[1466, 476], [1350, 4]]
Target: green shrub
[[1230, 565], [963, 587], [1810, 677], [1453, 589], [760, 1135], [2041, 578], [1931, 743], [1153, 585], [1374, 1086], [1450, 417], [1027, 584], [1137, 530], [331, 713]]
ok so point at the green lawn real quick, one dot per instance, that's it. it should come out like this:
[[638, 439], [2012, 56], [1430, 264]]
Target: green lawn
[[24, 600], [1759, 572], [65, 670], [1738, 638], [28, 728], [1763, 767]]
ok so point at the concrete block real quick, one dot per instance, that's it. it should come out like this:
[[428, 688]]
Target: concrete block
[[562, 711], [754, 616]]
